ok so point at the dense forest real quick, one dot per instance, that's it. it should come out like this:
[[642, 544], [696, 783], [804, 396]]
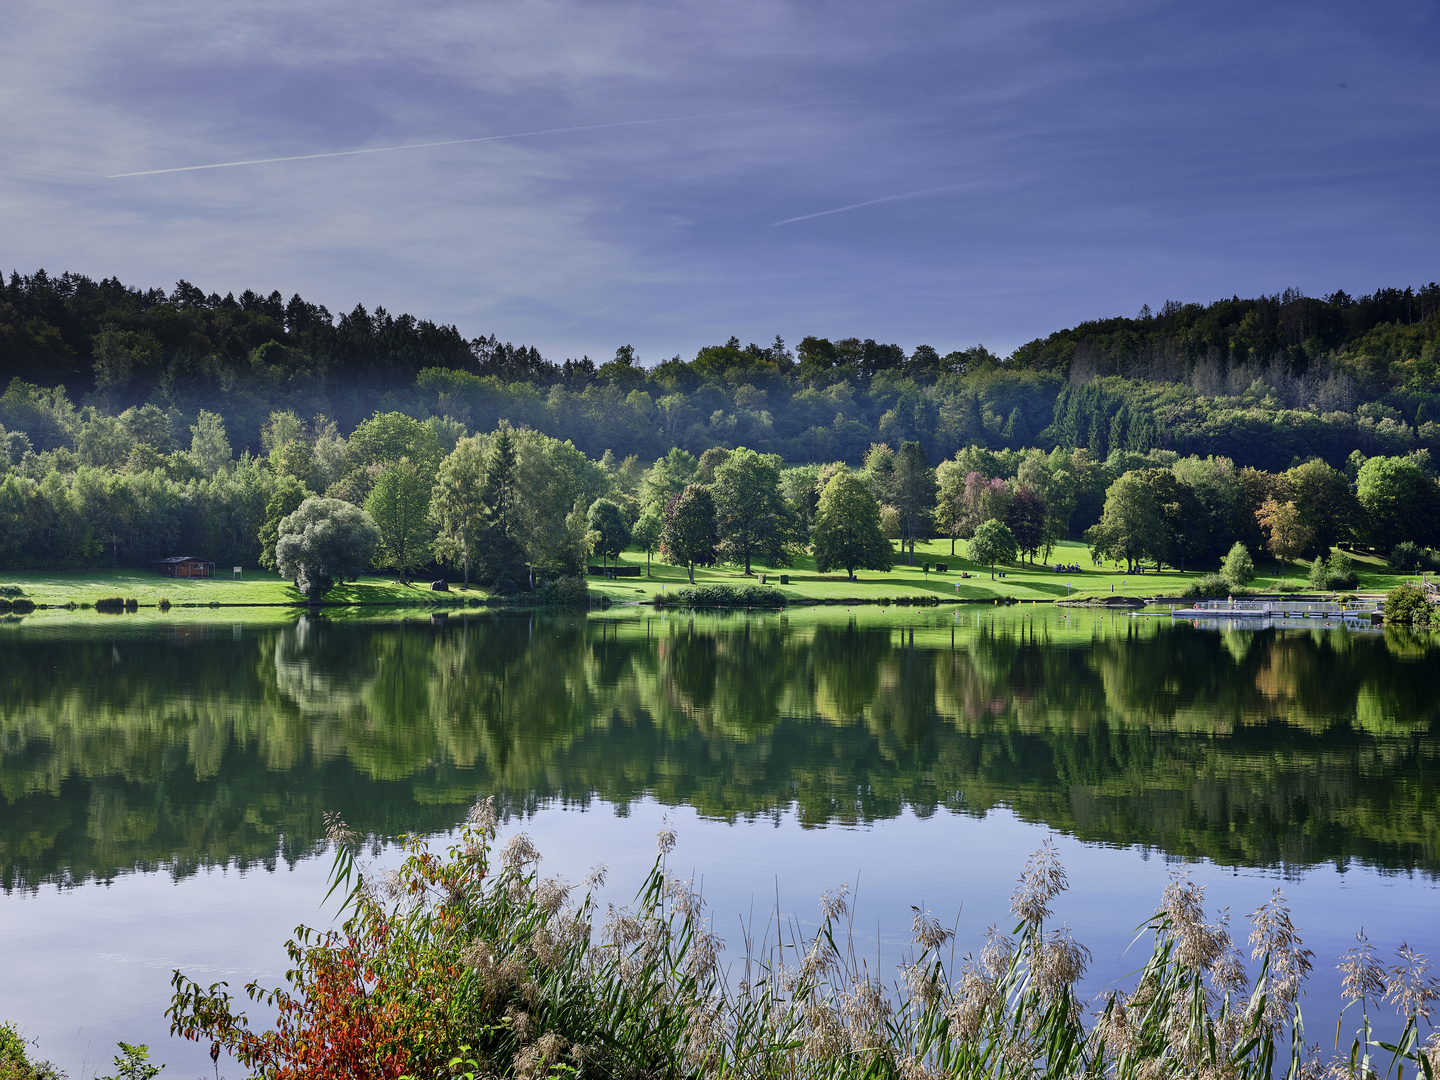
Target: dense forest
[[135, 423], [1267, 382]]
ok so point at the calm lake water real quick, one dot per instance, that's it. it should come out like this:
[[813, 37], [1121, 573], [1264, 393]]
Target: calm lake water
[[162, 783]]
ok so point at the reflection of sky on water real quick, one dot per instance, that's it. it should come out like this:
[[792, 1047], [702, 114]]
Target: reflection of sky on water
[[92, 965]]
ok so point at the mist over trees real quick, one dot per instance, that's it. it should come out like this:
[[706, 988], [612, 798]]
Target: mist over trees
[[1263, 381]]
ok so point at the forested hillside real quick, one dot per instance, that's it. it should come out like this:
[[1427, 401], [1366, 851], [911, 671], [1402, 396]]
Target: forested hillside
[[1267, 381], [136, 424]]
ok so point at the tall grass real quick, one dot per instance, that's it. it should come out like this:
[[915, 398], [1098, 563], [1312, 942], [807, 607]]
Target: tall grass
[[456, 966]]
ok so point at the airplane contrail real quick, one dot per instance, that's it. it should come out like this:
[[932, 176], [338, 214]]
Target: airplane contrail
[[882, 199], [461, 142]]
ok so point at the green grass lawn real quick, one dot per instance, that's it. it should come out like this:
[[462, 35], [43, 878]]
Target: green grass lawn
[[255, 587], [1038, 583]]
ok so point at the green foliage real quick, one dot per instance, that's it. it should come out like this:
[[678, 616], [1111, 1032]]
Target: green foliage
[[993, 543], [688, 535], [324, 542], [133, 1063], [15, 1062], [752, 518], [562, 592], [116, 475], [458, 506], [1400, 501], [607, 521], [399, 506], [1335, 575], [1406, 605], [1210, 587], [1407, 557], [847, 528], [911, 489], [647, 531], [723, 596], [285, 498], [1132, 526], [1238, 569]]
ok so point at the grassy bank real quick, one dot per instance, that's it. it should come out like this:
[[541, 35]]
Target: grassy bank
[[1038, 583], [255, 587]]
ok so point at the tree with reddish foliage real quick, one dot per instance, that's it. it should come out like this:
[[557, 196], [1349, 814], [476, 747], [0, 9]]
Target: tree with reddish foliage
[[1026, 518]]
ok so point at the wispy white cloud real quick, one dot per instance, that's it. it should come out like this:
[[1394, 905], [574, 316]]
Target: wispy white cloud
[[1113, 152], [462, 142], [925, 193]]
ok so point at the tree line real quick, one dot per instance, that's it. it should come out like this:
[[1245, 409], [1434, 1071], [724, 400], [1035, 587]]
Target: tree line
[[1268, 382], [512, 505]]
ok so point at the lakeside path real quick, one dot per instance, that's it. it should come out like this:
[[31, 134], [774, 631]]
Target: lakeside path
[[1037, 584]]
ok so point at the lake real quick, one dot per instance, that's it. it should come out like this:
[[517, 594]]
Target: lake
[[163, 780]]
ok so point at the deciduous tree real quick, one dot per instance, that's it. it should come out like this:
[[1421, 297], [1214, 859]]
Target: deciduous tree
[[1026, 520], [458, 507], [1286, 531], [612, 532], [913, 491], [324, 542], [399, 504], [847, 528], [992, 543], [688, 537], [752, 516], [1131, 526]]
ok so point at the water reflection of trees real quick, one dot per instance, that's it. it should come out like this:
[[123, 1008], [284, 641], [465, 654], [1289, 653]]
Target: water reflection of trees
[[188, 746]]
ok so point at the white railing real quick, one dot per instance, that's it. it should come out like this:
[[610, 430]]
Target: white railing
[[1315, 609]]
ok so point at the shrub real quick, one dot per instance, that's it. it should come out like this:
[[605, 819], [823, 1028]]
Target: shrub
[[22, 606], [11, 591], [15, 1063], [1342, 573], [1238, 569], [703, 596], [133, 1063], [1407, 555], [164, 604], [110, 603], [1338, 573], [1211, 587], [562, 592], [1405, 605]]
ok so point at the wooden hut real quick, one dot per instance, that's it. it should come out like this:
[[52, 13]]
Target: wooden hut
[[186, 566]]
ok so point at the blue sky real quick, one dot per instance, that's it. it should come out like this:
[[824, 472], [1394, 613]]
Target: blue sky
[[945, 173]]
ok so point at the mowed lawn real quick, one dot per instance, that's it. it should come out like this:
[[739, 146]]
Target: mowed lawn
[[1037, 583], [254, 587]]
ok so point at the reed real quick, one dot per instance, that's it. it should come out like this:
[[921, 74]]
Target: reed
[[460, 965]]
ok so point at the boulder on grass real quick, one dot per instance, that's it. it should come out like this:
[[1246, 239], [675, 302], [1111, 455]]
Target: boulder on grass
[[440, 586]]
